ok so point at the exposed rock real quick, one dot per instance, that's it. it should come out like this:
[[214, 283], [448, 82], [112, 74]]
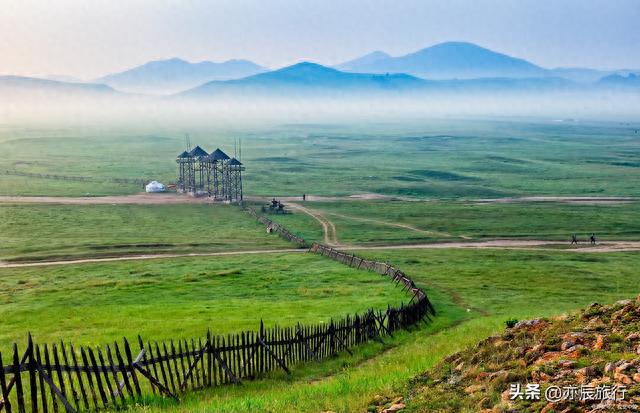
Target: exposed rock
[[394, 408], [623, 367], [633, 337], [474, 388], [622, 378]]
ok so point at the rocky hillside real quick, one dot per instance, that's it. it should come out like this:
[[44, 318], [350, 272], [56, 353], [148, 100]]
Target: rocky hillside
[[586, 362]]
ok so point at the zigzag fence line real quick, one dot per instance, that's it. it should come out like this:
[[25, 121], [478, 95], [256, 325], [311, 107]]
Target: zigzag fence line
[[134, 181], [61, 377], [277, 228]]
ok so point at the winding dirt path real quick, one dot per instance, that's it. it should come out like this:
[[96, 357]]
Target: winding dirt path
[[328, 227], [397, 225]]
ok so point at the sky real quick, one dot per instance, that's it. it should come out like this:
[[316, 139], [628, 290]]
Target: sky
[[91, 38]]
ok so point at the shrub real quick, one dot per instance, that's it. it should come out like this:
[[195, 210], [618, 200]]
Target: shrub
[[511, 322]]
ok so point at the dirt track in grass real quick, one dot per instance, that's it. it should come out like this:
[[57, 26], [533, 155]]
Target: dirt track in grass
[[173, 198], [608, 246]]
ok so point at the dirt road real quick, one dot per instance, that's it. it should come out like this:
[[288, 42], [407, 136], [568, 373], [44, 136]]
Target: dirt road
[[143, 257], [143, 198], [173, 198], [546, 245]]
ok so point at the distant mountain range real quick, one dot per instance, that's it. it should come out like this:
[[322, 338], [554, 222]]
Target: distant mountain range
[[314, 80], [452, 67], [175, 75], [451, 60], [461, 60]]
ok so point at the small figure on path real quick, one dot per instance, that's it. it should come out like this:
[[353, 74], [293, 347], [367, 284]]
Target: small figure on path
[[304, 197], [574, 239], [592, 238]]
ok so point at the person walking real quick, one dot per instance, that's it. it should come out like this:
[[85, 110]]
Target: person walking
[[574, 239], [592, 238]]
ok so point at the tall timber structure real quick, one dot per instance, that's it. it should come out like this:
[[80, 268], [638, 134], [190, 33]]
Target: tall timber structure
[[214, 175]]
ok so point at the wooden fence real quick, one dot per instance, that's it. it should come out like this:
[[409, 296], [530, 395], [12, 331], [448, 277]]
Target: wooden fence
[[381, 268], [277, 228], [61, 377]]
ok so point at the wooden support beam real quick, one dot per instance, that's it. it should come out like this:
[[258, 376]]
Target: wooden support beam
[[54, 388], [275, 357]]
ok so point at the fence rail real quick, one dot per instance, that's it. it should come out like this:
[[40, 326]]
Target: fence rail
[[61, 377], [277, 228]]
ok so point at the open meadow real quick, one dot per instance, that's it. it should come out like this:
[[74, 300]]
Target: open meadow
[[432, 182], [423, 159]]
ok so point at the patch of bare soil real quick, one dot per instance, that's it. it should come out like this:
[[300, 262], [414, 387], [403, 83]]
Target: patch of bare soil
[[142, 198]]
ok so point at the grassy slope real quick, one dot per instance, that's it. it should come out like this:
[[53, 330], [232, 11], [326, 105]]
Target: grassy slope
[[503, 284], [159, 299], [427, 159], [48, 231]]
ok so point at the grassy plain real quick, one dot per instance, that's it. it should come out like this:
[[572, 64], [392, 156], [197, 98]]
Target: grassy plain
[[453, 161], [474, 291], [160, 299], [426, 159], [401, 222], [40, 232]]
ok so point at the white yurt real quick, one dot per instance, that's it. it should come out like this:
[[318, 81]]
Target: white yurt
[[155, 186]]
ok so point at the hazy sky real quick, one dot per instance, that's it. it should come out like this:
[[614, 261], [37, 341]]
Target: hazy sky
[[90, 38]]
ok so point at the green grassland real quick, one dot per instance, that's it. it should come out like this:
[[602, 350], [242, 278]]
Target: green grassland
[[182, 297], [381, 222], [40, 232], [426, 159], [475, 291]]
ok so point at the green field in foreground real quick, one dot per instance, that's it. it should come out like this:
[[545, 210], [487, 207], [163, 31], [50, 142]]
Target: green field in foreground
[[40, 232], [400, 222], [425, 159], [475, 291], [182, 297]]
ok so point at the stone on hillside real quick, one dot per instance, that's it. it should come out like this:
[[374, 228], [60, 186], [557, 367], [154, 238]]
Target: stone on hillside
[[624, 366], [394, 408], [622, 378], [622, 303], [609, 367], [600, 343], [633, 337], [474, 388]]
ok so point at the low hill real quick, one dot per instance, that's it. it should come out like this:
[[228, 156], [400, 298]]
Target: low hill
[[176, 75], [616, 80], [18, 87], [597, 348], [306, 78], [316, 81]]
